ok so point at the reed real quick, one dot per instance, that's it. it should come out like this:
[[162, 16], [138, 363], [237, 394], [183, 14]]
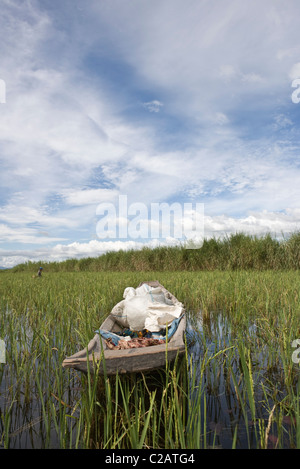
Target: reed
[[236, 387], [235, 252]]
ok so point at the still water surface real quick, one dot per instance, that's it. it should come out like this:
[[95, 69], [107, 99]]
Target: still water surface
[[23, 401]]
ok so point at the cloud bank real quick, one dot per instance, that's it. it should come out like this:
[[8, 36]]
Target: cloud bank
[[162, 101]]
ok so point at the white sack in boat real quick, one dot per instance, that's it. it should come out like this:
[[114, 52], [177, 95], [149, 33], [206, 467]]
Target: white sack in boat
[[146, 308], [159, 315]]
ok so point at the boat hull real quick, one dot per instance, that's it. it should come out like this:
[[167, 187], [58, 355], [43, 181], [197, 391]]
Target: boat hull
[[97, 356]]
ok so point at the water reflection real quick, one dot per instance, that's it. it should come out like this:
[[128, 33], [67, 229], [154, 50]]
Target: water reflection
[[40, 400], [217, 378]]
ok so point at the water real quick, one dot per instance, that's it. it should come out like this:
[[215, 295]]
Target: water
[[226, 420], [38, 410], [29, 385]]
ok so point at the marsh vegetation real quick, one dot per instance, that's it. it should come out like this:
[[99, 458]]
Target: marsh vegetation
[[237, 387], [235, 252]]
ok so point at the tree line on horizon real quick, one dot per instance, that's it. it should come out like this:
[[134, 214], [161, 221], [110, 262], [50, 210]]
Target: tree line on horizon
[[234, 252]]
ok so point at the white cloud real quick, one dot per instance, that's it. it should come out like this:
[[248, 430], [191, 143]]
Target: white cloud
[[252, 78], [18, 215], [221, 118], [25, 236], [89, 196], [72, 125], [180, 49], [256, 223], [54, 129], [277, 224], [228, 71], [295, 71], [60, 252], [282, 121]]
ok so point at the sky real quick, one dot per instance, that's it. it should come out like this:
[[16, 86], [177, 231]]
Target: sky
[[158, 101]]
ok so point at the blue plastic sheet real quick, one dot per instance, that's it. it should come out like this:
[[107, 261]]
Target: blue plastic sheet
[[115, 337]]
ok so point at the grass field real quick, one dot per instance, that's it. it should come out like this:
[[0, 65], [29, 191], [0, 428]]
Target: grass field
[[235, 252], [237, 388]]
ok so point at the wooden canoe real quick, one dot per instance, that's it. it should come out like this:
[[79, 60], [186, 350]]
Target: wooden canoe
[[133, 360]]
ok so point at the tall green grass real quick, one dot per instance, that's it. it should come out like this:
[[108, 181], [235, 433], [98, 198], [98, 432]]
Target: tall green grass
[[236, 387], [234, 252]]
